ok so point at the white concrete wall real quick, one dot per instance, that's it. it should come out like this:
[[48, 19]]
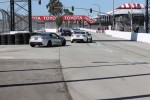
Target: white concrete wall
[[14, 32], [50, 30], [141, 37], [144, 37], [124, 35], [47, 30], [90, 30]]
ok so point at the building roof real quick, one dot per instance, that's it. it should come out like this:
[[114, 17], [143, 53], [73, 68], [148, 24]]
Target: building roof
[[125, 11], [131, 6]]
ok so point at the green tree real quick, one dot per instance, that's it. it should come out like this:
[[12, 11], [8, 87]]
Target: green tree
[[67, 12], [55, 7], [79, 23], [58, 21]]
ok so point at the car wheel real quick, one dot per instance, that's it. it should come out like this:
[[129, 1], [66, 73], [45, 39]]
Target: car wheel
[[91, 40], [32, 45], [49, 44], [64, 43], [72, 41], [87, 40]]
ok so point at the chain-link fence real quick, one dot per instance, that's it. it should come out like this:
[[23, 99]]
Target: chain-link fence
[[4, 21], [21, 22]]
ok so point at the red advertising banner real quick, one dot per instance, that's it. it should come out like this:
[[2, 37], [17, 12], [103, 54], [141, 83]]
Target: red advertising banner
[[78, 17], [64, 18], [44, 18], [73, 18]]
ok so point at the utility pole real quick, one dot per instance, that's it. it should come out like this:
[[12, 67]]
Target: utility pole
[[99, 14]]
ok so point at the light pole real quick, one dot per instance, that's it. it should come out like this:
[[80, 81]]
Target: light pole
[[147, 15], [87, 12], [99, 14], [113, 16], [131, 16]]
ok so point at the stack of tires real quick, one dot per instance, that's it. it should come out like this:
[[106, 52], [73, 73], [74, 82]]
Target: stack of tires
[[4, 39], [19, 39], [26, 37], [0, 39], [10, 39]]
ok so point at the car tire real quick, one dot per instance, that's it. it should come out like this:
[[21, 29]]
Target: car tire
[[91, 40], [32, 45], [49, 44], [87, 40], [72, 41], [64, 43]]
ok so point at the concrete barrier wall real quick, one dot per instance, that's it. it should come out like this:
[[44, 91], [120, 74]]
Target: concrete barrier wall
[[90, 30], [141, 37], [50, 30], [124, 35]]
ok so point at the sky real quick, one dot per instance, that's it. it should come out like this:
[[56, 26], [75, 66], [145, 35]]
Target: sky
[[105, 6]]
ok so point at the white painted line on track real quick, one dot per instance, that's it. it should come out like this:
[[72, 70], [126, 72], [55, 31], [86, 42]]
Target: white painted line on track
[[128, 59], [98, 44], [109, 50], [1, 49], [6, 57]]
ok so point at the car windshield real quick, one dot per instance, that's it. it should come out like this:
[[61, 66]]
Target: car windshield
[[35, 33], [39, 34], [79, 32], [66, 30], [76, 29]]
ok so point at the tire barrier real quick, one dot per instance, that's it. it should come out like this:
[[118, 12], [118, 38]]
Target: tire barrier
[[4, 39], [19, 38], [26, 37], [0, 39], [10, 39]]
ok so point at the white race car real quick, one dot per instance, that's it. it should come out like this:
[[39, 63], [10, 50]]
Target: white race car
[[81, 36], [46, 39]]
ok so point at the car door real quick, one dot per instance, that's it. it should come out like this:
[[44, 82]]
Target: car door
[[55, 39]]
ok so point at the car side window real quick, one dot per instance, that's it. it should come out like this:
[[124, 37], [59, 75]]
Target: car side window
[[54, 35], [88, 33]]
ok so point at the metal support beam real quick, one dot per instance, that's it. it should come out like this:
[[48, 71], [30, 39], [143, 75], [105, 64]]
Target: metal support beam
[[14, 23], [30, 15], [147, 16], [12, 15]]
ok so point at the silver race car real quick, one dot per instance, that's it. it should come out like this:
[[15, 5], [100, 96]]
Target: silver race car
[[46, 39]]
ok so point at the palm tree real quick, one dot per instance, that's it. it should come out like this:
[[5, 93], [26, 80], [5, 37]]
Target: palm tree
[[55, 7]]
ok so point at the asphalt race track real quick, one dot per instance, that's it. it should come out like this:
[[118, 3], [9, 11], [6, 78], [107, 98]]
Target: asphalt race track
[[107, 69]]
